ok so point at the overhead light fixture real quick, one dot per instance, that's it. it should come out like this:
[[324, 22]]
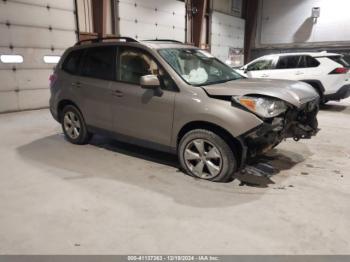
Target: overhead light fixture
[[51, 59], [11, 59]]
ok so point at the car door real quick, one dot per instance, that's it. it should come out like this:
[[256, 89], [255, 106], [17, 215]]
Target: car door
[[287, 67], [94, 84], [260, 68], [295, 67], [143, 114]]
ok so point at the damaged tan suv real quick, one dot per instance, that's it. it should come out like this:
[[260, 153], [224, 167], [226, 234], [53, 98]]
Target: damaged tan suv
[[177, 98]]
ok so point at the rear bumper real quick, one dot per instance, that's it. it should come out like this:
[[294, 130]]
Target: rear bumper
[[342, 93], [53, 109]]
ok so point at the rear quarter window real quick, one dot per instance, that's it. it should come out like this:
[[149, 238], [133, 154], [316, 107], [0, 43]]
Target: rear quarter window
[[72, 62], [340, 60], [311, 62], [99, 62]]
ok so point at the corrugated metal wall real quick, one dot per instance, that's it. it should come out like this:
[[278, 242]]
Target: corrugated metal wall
[[32, 30]]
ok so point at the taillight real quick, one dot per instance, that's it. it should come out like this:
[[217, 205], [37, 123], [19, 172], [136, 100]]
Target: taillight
[[52, 79], [339, 70]]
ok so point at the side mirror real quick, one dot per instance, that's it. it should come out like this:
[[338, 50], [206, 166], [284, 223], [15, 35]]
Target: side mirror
[[149, 82]]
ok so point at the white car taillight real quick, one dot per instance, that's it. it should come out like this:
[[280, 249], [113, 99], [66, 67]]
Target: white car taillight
[[52, 79], [339, 70]]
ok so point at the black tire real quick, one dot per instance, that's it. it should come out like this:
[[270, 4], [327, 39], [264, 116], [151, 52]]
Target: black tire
[[227, 162], [83, 136]]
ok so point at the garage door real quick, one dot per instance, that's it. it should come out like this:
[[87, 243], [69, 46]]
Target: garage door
[[152, 19], [33, 35]]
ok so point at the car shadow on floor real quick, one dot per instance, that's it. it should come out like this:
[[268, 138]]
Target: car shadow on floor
[[152, 170], [335, 108], [135, 151], [275, 160]]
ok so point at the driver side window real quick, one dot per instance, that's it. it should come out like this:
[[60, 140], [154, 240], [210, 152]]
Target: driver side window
[[134, 63], [264, 64]]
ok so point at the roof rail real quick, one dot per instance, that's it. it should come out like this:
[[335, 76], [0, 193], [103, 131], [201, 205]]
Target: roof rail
[[101, 39], [165, 40]]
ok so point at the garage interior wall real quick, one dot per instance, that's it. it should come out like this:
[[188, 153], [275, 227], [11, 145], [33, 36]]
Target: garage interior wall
[[227, 31], [152, 19], [34, 33], [227, 38], [288, 26]]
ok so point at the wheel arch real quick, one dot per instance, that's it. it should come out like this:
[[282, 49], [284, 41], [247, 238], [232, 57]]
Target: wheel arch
[[62, 104], [234, 143], [317, 85]]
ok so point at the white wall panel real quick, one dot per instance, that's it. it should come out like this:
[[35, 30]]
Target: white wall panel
[[32, 79], [32, 57], [8, 81], [32, 29], [55, 4], [39, 16], [151, 19], [22, 36], [8, 101], [226, 32], [289, 22], [29, 99]]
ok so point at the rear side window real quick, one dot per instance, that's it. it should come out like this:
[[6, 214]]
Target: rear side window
[[71, 63], [340, 60], [264, 64], [99, 62], [311, 62], [288, 62]]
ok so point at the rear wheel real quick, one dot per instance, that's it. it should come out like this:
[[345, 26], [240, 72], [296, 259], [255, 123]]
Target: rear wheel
[[74, 127], [205, 155]]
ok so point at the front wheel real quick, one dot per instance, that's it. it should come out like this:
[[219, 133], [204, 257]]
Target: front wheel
[[74, 127], [204, 154]]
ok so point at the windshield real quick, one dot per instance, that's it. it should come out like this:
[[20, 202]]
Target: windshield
[[198, 67]]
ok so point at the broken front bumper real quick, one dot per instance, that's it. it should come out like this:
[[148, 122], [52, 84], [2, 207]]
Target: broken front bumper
[[295, 123]]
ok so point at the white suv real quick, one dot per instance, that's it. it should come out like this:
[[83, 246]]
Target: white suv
[[328, 73]]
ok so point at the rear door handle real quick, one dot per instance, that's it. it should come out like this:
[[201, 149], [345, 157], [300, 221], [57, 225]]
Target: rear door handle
[[299, 73], [264, 75], [118, 93], [76, 84]]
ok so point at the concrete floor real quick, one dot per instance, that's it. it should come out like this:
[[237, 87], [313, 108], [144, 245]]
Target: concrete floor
[[112, 198]]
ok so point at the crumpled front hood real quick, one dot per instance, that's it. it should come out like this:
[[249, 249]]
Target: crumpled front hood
[[293, 92]]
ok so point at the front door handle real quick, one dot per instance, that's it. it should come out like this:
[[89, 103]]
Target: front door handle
[[118, 93], [76, 84], [264, 75]]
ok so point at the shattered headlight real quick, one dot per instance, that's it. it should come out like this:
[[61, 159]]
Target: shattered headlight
[[263, 106]]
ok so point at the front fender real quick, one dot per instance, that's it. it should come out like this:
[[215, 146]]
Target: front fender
[[215, 111]]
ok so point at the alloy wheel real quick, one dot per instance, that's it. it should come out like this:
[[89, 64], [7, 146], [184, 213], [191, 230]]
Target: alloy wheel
[[203, 158], [72, 125]]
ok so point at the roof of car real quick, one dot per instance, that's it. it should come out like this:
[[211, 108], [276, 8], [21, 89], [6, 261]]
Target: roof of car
[[159, 44], [313, 54]]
